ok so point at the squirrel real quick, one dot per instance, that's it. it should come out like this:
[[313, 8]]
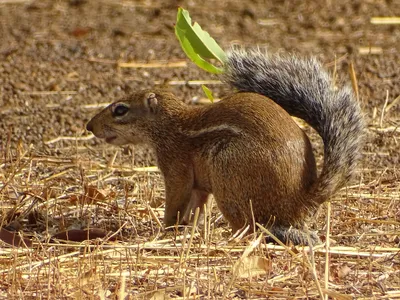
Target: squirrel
[[245, 149]]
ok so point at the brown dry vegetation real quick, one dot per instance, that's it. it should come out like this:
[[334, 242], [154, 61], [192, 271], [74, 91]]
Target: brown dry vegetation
[[60, 61]]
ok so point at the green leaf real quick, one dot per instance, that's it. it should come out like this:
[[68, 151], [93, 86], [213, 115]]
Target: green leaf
[[208, 93], [197, 43], [191, 53], [201, 41]]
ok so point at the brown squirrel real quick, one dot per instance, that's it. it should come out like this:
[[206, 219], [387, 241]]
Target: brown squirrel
[[246, 150]]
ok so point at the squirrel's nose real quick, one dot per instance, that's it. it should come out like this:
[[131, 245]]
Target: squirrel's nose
[[89, 126]]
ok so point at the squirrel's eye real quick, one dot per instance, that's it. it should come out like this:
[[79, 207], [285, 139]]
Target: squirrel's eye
[[119, 110]]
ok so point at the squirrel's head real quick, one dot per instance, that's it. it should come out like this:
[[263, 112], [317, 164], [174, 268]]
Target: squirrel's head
[[133, 119]]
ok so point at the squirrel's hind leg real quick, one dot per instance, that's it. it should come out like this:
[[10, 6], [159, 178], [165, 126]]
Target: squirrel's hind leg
[[294, 235]]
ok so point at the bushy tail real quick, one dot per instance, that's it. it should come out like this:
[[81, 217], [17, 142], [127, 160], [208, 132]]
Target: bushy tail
[[305, 90]]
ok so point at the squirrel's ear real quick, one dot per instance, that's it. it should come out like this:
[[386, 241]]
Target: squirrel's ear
[[151, 102]]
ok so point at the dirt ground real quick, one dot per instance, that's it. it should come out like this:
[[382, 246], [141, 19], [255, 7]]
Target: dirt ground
[[61, 61]]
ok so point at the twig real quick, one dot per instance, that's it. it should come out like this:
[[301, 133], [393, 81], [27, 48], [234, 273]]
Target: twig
[[327, 245], [385, 20], [354, 82], [312, 268], [14, 1], [70, 138], [189, 82], [47, 93], [192, 234], [370, 50], [394, 102], [383, 109], [156, 64]]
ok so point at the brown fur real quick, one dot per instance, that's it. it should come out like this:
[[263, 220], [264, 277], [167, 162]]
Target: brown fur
[[245, 150]]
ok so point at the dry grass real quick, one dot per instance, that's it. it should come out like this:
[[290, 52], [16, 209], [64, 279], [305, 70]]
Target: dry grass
[[135, 258], [44, 194], [49, 194]]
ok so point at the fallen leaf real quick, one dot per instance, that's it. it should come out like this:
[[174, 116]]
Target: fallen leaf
[[252, 266], [80, 235], [94, 193], [13, 238], [159, 295], [343, 271], [13, 226], [157, 202], [91, 195], [80, 31]]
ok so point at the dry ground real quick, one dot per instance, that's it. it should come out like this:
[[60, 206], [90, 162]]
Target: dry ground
[[60, 61]]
